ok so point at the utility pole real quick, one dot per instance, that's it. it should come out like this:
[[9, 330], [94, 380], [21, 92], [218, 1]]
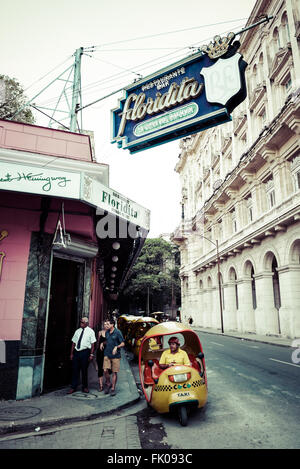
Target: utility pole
[[220, 288], [76, 94]]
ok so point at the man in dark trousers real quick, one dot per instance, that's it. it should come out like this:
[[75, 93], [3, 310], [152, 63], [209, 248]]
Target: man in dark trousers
[[83, 343], [112, 356]]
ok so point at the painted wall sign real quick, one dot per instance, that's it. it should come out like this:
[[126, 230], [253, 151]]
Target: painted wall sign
[[191, 95], [107, 199], [39, 180]]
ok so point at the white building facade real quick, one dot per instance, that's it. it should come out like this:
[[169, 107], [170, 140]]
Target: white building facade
[[241, 191]]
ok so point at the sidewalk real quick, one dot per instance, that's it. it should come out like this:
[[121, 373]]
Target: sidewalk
[[58, 408], [266, 339]]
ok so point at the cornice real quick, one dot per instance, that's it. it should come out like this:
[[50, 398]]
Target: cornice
[[271, 228], [98, 171]]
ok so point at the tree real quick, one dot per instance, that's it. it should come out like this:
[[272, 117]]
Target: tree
[[12, 99], [154, 281]]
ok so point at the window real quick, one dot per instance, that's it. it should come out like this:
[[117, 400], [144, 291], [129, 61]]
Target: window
[[253, 288], [295, 168], [249, 205], [272, 198], [288, 84], [270, 191], [276, 286]]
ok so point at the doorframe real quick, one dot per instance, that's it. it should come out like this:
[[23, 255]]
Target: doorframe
[[69, 258]]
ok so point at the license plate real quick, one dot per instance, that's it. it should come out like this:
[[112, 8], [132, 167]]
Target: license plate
[[183, 394]]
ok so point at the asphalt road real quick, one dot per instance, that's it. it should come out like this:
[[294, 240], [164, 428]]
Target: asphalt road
[[253, 403], [254, 399]]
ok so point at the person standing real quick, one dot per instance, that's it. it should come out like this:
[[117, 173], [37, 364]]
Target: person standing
[[112, 356], [82, 352], [100, 353]]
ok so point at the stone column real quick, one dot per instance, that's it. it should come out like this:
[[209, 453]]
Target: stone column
[[246, 318], [230, 322], [207, 308], [266, 315], [258, 199], [289, 281]]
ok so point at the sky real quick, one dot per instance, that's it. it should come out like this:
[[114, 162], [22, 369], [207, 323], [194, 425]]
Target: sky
[[132, 38]]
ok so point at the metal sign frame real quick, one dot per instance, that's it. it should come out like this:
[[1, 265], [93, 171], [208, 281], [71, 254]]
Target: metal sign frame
[[179, 100]]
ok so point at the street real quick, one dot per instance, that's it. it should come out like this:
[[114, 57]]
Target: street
[[253, 399], [253, 403]]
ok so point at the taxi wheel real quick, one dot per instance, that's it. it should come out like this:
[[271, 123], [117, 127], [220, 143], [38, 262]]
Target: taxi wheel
[[183, 416]]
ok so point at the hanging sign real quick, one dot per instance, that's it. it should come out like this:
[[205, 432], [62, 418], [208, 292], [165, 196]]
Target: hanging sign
[[189, 96], [111, 201]]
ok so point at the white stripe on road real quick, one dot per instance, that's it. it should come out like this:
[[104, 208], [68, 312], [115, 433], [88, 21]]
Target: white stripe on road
[[286, 363], [216, 343]]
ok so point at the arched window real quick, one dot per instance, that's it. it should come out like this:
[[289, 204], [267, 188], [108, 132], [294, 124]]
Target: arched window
[[276, 288], [233, 278], [253, 288]]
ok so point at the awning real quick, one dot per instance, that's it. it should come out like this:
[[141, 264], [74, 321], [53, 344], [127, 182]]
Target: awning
[[121, 224]]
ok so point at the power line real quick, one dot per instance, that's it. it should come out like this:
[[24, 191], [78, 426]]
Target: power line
[[166, 33], [141, 67]]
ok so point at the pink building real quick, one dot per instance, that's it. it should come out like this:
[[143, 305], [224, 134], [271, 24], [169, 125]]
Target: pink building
[[67, 244]]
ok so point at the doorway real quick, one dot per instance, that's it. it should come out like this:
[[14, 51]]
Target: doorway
[[65, 306]]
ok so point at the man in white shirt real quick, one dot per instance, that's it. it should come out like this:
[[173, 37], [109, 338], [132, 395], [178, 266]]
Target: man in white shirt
[[82, 352]]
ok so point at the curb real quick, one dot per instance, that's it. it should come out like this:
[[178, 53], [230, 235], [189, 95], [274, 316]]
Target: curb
[[106, 407], [273, 340]]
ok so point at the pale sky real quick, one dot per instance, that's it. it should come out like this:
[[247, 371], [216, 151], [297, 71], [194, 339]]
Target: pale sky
[[38, 37]]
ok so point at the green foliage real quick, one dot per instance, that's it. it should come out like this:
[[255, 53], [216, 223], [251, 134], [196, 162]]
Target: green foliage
[[12, 99], [155, 274]]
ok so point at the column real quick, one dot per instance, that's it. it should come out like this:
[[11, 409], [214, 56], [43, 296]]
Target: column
[[207, 312], [289, 281], [230, 321], [246, 318], [266, 315], [283, 181], [258, 204]]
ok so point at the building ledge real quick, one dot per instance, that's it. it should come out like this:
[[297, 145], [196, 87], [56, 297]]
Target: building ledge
[[45, 141]]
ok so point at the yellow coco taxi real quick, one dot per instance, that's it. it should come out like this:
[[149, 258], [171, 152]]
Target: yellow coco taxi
[[173, 387], [140, 327], [124, 322]]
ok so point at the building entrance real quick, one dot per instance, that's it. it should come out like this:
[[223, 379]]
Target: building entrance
[[64, 309]]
